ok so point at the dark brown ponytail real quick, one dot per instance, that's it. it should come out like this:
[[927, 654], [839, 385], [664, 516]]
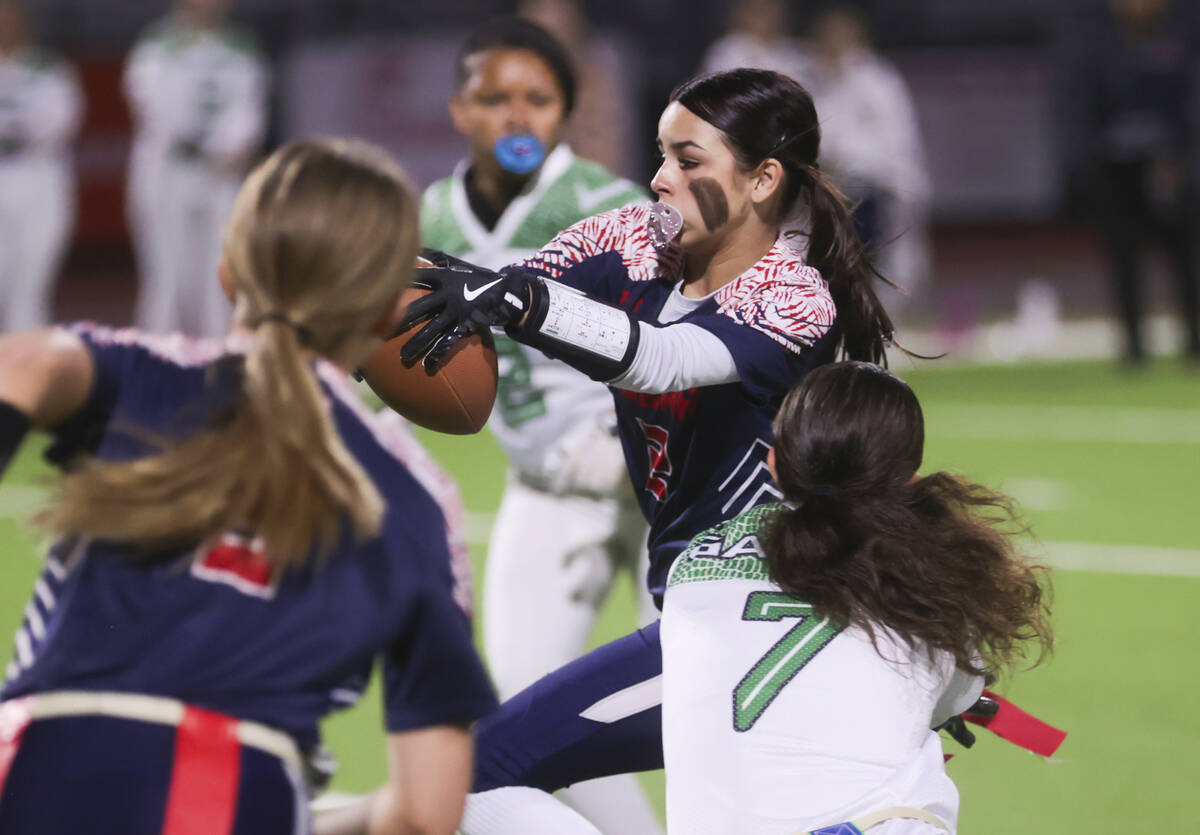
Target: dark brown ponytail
[[868, 543], [835, 248]]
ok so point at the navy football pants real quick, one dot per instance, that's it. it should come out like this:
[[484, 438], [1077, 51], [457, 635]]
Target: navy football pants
[[539, 738]]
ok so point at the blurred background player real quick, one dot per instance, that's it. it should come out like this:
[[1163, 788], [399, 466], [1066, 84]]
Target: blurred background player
[[1135, 97], [197, 88], [569, 522], [759, 35], [873, 150], [842, 626], [40, 111], [872, 144], [601, 125], [199, 615]]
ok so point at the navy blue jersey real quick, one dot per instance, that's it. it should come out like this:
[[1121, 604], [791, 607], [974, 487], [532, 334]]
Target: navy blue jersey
[[217, 628], [698, 457]]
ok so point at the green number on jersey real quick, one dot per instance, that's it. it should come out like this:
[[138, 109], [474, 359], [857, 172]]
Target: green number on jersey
[[516, 396], [759, 687]]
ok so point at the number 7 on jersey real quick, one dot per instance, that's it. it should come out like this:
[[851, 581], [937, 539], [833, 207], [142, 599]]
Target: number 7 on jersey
[[759, 687]]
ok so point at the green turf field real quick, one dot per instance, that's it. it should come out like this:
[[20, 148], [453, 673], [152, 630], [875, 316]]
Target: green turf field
[[1106, 465]]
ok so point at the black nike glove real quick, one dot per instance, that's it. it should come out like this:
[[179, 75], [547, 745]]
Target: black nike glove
[[956, 726], [958, 731], [465, 299]]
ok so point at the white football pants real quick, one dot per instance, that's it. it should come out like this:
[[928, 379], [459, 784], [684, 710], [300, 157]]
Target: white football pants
[[37, 214], [178, 212]]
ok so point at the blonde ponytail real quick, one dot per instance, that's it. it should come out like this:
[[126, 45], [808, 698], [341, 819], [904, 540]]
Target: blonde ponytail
[[322, 238]]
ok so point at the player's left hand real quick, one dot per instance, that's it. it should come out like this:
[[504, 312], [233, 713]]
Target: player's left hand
[[957, 728], [463, 299]]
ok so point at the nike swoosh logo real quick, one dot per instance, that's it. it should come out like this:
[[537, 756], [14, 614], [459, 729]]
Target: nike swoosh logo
[[590, 198], [470, 295]]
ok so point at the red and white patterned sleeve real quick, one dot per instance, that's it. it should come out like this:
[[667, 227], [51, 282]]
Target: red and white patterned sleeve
[[620, 232], [782, 298]]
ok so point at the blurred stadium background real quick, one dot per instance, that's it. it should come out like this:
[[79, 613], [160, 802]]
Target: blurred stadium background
[[1103, 459]]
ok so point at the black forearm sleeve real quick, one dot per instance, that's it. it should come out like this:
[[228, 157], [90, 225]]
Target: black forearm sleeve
[[594, 337], [14, 426]]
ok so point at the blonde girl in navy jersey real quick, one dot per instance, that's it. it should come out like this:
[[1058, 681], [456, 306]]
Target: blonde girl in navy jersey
[[236, 543]]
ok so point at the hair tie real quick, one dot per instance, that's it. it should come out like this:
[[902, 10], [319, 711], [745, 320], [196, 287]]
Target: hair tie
[[827, 491], [303, 334], [782, 144]]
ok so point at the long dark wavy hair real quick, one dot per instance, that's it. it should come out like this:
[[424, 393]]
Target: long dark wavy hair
[[867, 542], [766, 115]]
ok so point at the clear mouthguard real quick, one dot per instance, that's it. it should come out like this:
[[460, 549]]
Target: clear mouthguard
[[665, 223]]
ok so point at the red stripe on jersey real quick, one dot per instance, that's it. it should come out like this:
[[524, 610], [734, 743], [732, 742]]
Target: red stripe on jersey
[[14, 719], [238, 562], [242, 560], [204, 778]]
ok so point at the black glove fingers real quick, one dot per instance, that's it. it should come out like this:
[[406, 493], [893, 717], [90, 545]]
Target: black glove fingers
[[420, 343], [420, 310], [446, 344], [434, 256]]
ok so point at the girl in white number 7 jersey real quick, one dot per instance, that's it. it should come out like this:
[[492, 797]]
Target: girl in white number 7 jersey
[[810, 647]]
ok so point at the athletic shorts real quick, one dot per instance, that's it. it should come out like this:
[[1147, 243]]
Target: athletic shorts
[[105, 775]]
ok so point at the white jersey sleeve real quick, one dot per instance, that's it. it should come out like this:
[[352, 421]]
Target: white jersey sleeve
[[677, 358]]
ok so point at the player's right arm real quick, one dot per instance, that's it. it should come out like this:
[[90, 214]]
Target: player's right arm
[[45, 378], [429, 775], [434, 687]]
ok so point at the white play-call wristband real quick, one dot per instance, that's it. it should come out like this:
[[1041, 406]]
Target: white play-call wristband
[[584, 323]]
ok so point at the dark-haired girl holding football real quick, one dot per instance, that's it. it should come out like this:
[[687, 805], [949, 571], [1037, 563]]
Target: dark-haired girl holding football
[[700, 313]]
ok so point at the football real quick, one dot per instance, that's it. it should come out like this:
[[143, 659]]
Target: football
[[457, 398]]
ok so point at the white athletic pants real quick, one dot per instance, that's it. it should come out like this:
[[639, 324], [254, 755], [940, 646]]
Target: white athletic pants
[[37, 213], [178, 212]]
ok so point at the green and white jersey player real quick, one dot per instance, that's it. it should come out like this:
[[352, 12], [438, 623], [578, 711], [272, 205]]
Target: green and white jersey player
[[197, 87], [811, 647], [41, 105], [538, 399], [569, 521]]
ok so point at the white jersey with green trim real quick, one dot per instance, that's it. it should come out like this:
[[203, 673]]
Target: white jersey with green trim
[[197, 94], [539, 399], [775, 719], [41, 105]]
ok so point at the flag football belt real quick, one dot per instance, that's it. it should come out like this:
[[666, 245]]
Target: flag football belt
[[206, 768], [1007, 721], [864, 822]]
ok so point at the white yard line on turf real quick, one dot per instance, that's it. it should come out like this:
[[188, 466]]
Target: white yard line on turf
[[20, 501], [1043, 494], [1064, 423], [1120, 559], [1067, 556]]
